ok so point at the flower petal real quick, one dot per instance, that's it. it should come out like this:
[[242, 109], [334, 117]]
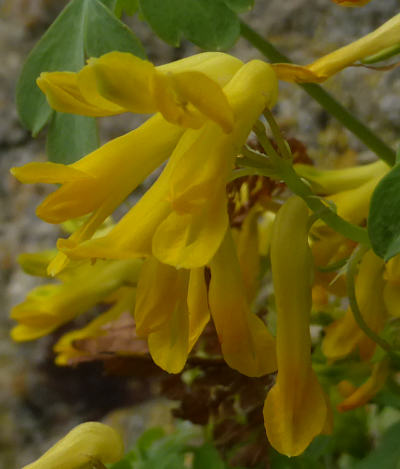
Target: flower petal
[[197, 300], [295, 413], [247, 345], [190, 240], [121, 78], [64, 95], [344, 335], [159, 290]]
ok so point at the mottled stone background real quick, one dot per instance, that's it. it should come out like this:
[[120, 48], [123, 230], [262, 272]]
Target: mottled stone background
[[38, 402]]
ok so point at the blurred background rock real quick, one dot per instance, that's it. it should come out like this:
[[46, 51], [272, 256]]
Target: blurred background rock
[[39, 402]]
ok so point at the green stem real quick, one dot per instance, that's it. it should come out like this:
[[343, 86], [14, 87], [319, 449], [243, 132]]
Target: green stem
[[326, 100], [284, 168]]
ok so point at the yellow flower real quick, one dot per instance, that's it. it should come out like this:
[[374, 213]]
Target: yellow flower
[[246, 343], [65, 349], [186, 92], [344, 336], [182, 219], [362, 395], [173, 307], [295, 409], [349, 190], [382, 38], [83, 447], [332, 181], [171, 311], [247, 243], [49, 306], [99, 182]]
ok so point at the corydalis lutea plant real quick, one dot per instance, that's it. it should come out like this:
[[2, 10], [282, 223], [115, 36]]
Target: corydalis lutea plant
[[199, 264]]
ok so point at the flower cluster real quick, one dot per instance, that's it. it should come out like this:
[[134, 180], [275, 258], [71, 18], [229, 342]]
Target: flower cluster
[[194, 263]]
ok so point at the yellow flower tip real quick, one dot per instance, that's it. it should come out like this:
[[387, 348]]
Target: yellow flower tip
[[295, 73], [57, 265], [294, 416], [83, 446], [48, 173], [25, 333]]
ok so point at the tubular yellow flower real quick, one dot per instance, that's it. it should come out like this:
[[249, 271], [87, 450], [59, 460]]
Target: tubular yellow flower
[[247, 243], [331, 181], [83, 446], [182, 219], [344, 336], [49, 306], [119, 82], [246, 343], [99, 182], [65, 349], [171, 311], [295, 410], [382, 38]]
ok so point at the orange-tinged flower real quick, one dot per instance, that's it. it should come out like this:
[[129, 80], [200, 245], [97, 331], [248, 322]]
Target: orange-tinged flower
[[295, 409], [344, 335], [368, 389]]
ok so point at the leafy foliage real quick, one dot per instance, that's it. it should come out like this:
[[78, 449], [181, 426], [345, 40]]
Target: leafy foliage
[[157, 449], [387, 454], [85, 28], [210, 24], [383, 220]]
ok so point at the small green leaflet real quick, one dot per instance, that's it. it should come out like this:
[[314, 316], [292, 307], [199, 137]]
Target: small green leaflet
[[384, 219], [85, 28], [210, 24], [70, 137]]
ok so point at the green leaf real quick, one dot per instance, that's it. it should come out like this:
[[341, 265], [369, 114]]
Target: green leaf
[[59, 49], [148, 438], [384, 220], [240, 6], [70, 137], [207, 457], [387, 454], [105, 33], [278, 461], [210, 24], [85, 28]]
